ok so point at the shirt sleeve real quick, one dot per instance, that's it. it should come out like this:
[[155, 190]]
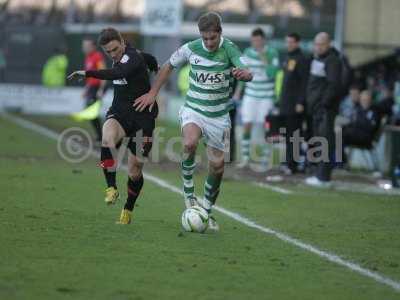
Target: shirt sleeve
[[235, 56], [333, 71], [180, 56], [126, 66], [151, 61], [273, 64]]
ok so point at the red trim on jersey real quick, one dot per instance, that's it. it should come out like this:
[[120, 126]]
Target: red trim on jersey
[[94, 61]]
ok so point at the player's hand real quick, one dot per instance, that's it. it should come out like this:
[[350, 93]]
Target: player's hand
[[77, 74], [242, 74], [143, 101]]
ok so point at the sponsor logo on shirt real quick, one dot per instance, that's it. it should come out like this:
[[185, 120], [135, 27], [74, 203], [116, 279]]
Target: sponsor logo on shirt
[[209, 78], [124, 59], [120, 81]]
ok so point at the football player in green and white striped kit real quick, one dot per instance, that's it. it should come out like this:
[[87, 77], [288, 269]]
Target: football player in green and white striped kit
[[259, 94], [213, 61]]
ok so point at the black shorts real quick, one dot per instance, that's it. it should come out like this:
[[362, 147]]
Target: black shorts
[[138, 127]]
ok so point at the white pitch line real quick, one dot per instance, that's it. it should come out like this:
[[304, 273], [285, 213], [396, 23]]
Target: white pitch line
[[245, 221], [273, 188]]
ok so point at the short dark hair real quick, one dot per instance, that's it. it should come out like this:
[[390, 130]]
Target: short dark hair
[[258, 32], [210, 21], [109, 34], [295, 36]]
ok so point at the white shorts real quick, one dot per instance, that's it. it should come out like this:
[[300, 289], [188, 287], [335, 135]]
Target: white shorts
[[255, 111], [215, 131]]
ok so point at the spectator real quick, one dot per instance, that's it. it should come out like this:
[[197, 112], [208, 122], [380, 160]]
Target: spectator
[[94, 88], [258, 98], [384, 108], [361, 130], [350, 104], [293, 94], [55, 69], [323, 97]]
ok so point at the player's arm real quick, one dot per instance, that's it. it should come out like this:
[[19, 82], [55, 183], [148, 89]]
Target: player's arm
[[178, 58], [149, 98], [240, 72], [119, 71]]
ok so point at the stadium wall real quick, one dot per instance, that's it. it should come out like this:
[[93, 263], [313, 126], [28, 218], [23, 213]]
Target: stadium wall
[[371, 29]]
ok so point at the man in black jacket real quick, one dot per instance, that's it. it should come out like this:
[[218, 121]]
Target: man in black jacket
[[293, 95], [130, 78], [324, 92]]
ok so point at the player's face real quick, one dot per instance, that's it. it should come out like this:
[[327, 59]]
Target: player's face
[[211, 39], [114, 49], [291, 44], [258, 42]]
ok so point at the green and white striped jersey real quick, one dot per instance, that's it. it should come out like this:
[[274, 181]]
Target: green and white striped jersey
[[262, 87], [210, 75]]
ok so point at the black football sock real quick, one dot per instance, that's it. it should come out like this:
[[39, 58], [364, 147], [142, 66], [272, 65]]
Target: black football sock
[[134, 188], [109, 166]]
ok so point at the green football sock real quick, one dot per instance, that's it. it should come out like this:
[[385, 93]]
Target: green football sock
[[211, 190], [245, 146], [187, 167]]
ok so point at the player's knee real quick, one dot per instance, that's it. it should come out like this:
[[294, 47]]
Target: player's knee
[[134, 172], [190, 146], [108, 141], [217, 167]]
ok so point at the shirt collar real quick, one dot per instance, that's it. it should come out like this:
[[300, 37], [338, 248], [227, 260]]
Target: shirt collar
[[219, 46]]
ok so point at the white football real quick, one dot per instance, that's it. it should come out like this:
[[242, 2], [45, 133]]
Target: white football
[[195, 219]]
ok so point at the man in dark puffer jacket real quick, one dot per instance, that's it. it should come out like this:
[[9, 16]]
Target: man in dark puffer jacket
[[323, 98]]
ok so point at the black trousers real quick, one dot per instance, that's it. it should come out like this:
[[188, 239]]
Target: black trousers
[[292, 124], [323, 143], [91, 97]]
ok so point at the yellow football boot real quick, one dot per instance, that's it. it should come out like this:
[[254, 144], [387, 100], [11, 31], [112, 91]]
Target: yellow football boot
[[125, 217], [112, 195]]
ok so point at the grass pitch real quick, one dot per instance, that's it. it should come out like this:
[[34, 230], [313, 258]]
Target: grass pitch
[[58, 240]]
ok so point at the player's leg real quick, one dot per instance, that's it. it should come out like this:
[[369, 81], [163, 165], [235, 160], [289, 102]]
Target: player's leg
[[139, 149], [247, 119], [96, 123], [134, 186], [263, 108], [191, 134], [216, 132], [91, 98], [112, 135], [213, 181]]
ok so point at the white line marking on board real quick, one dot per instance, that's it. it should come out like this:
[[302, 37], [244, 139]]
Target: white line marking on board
[[245, 221]]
